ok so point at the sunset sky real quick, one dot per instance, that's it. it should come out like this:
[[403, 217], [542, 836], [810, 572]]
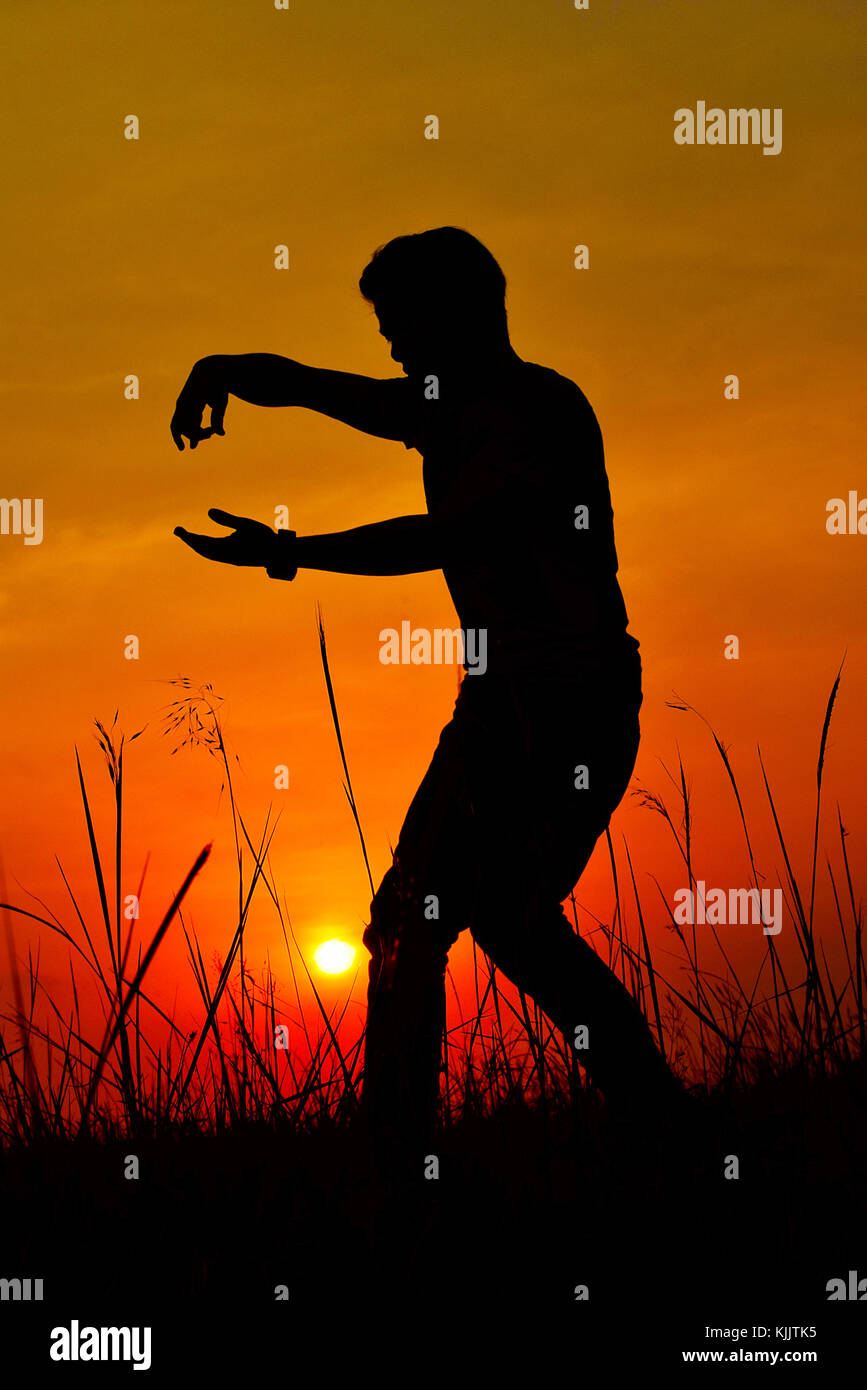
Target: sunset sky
[[306, 127]]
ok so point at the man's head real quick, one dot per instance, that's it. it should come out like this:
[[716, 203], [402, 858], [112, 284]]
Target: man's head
[[439, 297]]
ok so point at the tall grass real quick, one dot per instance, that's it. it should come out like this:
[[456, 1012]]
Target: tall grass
[[148, 1076]]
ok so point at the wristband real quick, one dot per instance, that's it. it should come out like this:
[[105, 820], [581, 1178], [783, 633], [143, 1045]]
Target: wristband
[[283, 566]]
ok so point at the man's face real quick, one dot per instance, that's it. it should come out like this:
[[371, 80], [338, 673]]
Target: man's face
[[415, 339]]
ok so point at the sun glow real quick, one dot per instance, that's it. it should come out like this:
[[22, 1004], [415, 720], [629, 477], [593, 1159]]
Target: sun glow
[[334, 957]]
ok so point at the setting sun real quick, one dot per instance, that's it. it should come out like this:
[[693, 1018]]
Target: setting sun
[[334, 956]]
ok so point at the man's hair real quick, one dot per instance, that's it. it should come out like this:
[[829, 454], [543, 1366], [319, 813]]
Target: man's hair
[[445, 267]]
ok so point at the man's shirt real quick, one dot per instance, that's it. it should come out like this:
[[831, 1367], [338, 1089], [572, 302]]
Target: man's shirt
[[516, 474]]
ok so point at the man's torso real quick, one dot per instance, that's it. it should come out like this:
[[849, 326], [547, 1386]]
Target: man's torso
[[519, 470]]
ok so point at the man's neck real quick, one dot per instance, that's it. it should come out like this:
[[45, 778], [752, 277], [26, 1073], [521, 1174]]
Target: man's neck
[[481, 371]]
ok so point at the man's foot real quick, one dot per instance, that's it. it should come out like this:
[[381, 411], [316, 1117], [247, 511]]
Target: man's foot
[[672, 1134]]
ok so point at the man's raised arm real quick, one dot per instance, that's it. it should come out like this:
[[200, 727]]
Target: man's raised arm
[[376, 406]]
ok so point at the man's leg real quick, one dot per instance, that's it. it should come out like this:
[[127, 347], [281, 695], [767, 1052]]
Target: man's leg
[[536, 832], [416, 915], [543, 956], [405, 1019]]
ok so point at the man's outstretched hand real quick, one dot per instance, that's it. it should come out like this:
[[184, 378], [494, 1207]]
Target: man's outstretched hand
[[201, 388], [252, 543]]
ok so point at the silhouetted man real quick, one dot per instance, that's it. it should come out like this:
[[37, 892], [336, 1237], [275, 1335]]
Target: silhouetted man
[[541, 746]]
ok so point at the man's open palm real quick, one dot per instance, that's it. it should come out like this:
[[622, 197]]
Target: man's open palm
[[252, 543]]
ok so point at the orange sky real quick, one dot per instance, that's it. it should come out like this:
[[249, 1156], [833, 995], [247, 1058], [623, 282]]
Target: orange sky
[[261, 127]]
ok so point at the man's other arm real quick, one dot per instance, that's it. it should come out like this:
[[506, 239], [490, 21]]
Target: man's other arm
[[378, 406], [401, 545]]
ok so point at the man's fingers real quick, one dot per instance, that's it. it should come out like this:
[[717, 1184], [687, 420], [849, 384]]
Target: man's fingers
[[187, 422], [176, 430], [218, 411], [227, 519], [202, 545], [189, 538], [197, 435]]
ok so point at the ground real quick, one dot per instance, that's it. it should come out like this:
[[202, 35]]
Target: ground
[[527, 1207]]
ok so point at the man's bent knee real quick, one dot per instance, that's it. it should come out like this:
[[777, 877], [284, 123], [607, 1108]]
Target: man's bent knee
[[401, 929]]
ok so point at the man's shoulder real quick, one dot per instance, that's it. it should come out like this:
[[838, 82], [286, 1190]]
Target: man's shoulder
[[552, 410], [553, 386], [535, 422]]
